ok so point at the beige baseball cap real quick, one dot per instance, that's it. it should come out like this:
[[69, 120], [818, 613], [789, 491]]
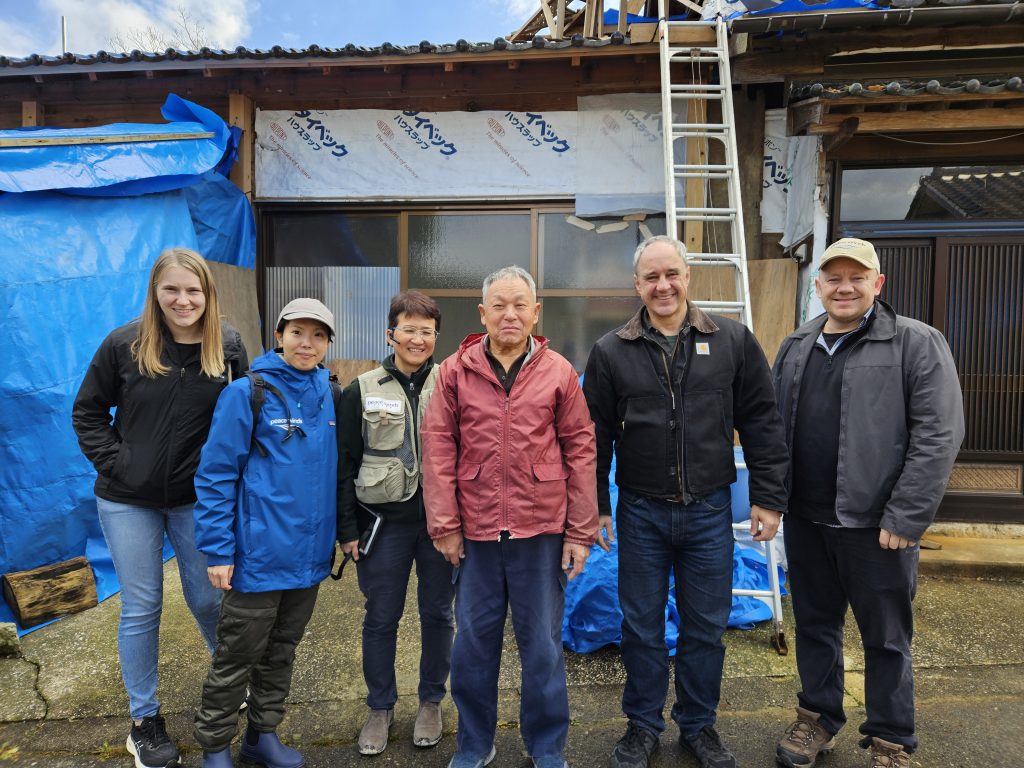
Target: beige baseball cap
[[860, 251], [311, 309]]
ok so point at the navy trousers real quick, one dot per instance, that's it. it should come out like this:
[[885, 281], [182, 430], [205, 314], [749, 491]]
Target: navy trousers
[[525, 574], [384, 581], [831, 569]]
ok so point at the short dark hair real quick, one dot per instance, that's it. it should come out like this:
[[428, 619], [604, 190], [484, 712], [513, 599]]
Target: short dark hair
[[414, 304], [284, 324]]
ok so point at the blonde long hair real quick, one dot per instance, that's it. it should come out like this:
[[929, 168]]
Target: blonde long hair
[[148, 347]]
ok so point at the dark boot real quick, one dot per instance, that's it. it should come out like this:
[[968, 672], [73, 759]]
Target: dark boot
[[218, 759], [267, 750]]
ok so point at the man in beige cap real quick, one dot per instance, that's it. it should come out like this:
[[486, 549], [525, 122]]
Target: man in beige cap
[[874, 419]]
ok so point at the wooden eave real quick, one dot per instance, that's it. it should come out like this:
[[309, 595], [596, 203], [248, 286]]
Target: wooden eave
[[848, 116], [814, 54]]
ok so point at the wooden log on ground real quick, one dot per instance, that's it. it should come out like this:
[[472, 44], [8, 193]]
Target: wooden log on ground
[[50, 591]]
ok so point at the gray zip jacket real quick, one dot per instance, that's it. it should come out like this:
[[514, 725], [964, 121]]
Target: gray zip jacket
[[901, 421]]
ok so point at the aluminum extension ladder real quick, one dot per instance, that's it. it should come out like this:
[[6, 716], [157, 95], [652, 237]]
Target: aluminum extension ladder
[[687, 99], [686, 105]]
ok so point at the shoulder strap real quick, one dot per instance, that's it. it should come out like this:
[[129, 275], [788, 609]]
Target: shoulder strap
[[257, 395]]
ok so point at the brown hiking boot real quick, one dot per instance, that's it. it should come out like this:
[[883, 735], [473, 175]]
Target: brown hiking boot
[[803, 741], [885, 754]]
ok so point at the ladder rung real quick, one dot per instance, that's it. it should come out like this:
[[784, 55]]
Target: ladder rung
[[701, 175], [704, 217], [722, 306], [703, 167], [711, 211], [701, 127], [708, 54], [697, 261], [698, 88], [724, 256], [720, 135], [753, 592]]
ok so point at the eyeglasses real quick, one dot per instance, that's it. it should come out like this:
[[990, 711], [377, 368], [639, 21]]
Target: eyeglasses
[[423, 333]]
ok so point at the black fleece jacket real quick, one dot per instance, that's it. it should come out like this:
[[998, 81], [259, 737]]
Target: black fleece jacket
[[148, 454]]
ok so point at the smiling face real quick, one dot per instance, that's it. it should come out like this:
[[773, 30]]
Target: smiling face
[[509, 313], [303, 343], [413, 339], [661, 279], [182, 302], [847, 290]]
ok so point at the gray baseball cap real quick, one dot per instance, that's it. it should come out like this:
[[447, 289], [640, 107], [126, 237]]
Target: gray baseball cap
[[311, 309]]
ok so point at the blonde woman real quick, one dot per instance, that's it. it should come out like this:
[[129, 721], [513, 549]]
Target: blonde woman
[[163, 373]]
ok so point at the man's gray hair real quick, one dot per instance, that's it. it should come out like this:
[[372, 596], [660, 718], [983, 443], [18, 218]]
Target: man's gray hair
[[680, 248], [510, 273]]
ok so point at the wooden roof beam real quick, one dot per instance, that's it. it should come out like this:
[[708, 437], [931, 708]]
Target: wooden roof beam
[[916, 121]]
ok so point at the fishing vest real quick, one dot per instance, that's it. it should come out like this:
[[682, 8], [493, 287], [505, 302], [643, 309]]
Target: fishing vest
[[390, 470]]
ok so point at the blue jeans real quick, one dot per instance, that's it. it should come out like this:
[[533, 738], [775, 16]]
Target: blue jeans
[[384, 581], [135, 536], [525, 574], [693, 541]]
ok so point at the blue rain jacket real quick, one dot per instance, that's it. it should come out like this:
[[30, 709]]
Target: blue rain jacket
[[271, 517]]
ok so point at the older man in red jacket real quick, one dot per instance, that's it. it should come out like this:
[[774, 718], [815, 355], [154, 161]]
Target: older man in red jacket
[[509, 487]]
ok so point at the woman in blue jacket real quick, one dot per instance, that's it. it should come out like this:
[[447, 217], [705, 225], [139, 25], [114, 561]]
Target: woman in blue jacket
[[265, 518]]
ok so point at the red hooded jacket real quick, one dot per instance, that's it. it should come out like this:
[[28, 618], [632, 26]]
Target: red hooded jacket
[[522, 462]]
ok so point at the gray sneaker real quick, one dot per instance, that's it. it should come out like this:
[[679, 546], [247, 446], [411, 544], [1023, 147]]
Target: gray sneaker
[[373, 738], [803, 741], [427, 730], [885, 754]]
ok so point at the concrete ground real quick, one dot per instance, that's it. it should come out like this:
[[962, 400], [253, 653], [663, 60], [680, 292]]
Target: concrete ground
[[63, 705]]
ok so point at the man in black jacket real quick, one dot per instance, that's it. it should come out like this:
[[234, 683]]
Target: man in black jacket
[[665, 392]]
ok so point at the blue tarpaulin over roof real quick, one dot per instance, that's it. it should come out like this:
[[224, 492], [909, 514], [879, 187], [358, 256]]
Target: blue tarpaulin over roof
[[75, 252]]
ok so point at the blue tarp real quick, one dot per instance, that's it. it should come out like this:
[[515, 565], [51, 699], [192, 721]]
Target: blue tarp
[[593, 617], [72, 268]]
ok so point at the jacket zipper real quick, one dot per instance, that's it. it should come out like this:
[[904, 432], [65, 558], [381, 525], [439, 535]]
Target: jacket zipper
[[677, 417], [174, 436]]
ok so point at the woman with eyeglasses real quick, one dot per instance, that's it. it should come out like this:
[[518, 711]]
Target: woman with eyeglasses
[[162, 373], [379, 476]]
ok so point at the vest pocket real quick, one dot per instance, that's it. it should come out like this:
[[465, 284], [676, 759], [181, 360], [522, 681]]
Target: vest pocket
[[384, 431], [380, 483]]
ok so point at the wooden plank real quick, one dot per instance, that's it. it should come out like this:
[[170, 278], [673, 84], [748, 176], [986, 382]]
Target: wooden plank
[[697, 36], [549, 19], [242, 115], [696, 154], [50, 591], [560, 21], [236, 294], [902, 122], [31, 114], [48, 141], [773, 301]]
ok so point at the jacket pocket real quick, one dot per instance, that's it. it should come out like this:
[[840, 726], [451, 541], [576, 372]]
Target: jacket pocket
[[384, 431], [549, 492], [468, 470], [378, 483]]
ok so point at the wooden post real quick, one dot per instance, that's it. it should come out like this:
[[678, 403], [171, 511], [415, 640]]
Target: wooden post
[[242, 114], [50, 591], [696, 154], [31, 114]]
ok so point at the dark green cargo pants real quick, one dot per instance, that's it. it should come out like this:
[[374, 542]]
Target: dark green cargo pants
[[256, 639]]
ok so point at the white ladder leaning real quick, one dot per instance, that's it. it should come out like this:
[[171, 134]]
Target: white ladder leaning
[[687, 106]]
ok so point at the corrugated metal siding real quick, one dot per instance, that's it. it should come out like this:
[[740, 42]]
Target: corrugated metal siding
[[359, 297]]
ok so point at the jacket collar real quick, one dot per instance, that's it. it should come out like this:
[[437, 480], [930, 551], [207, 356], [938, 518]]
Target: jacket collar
[[697, 318], [881, 328]]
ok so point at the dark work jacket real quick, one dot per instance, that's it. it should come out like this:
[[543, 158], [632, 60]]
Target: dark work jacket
[[656, 417], [149, 454], [901, 419]]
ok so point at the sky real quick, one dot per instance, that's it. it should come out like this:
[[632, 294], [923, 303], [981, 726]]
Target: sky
[[33, 26]]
